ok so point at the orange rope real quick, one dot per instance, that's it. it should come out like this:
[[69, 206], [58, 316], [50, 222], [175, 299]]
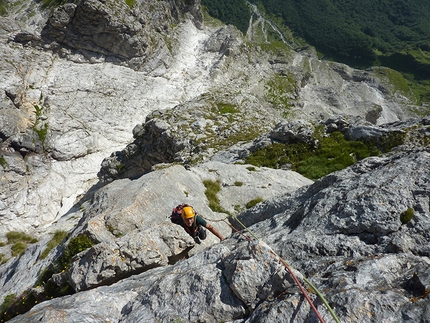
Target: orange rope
[[291, 273]]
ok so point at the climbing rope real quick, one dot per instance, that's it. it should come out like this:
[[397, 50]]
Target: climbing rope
[[288, 267]]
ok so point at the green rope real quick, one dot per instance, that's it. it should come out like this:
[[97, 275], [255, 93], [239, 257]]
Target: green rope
[[333, 314], [249, 231]]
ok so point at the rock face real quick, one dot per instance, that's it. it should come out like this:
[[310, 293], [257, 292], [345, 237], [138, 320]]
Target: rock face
[[75, 81], [345, 233], [112, 115], [129, 226], [112, 31]]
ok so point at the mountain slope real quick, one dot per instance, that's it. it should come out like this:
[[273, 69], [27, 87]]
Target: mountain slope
[[360, 33], [111, 115]]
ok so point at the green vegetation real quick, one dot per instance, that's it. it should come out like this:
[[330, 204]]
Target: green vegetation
[[220, 134], [237, 183], [55, 241], [234, 12], [212, 189], [407, 215], [225, 108], [253, 202], [387, 142], [280, 89], [275, 46], [114, 231], [3, 161], [13, 306], [53, 3], [332, 153], [9, 301], [130, 3], [19, 241], [41, 130], [2, 259], [76, 245], [360, 33], [3, 6]]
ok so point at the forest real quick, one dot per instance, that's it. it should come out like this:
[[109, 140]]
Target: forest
[[360, 33]]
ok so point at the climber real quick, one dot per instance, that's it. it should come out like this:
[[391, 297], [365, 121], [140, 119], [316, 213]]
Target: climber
[[193, 224]]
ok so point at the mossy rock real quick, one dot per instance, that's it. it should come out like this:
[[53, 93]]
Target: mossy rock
[[407, 215]]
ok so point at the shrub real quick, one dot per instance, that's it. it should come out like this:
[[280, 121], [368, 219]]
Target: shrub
[[407, 215], [13, 305], [237, 183], [75, 246]]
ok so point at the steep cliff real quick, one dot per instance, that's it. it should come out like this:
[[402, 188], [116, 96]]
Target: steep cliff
[[113, 113]]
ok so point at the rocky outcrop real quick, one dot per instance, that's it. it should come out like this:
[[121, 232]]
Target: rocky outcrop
[[345, 233], [128, 223], [111, 31], [76, 80], [183, 136]]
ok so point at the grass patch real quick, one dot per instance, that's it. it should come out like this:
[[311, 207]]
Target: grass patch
[[13, 305], [276, 47], [3, 162], [211, 192], [130, 3], [416, 90], [19, 241], [55, 241], [209, 20], [237, 183], [3, 6], [16, 236], [280, 89], [114, 231], [41, 130], [333, 153], [225, 108], [253, 202]]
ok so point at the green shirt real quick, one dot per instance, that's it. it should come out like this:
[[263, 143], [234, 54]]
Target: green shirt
[[200, 221]]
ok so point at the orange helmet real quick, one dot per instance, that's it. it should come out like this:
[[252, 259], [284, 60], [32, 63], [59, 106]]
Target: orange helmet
[[188, 212]]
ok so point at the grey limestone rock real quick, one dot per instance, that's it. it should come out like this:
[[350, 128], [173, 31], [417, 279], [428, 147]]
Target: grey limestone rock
[[77, 80]]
